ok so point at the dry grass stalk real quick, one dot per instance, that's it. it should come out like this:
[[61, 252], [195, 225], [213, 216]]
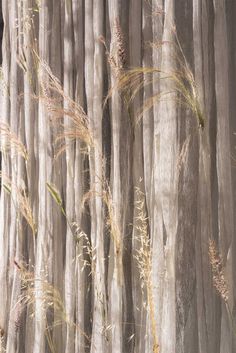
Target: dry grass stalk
[[116, 56], [88, 254], [143, 255], [11, 142], [112, 223], [219, 280], [48, 295], [26, 210], [57, 198], [111, 220], [119, 46], [144, 262], [186, 86], [52, 96], [20, 200], [27, 32], [131, 82], [80, 236]]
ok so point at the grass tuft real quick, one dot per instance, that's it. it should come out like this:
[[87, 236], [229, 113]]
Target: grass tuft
[[132, 81], [53, 97], [219, 280], [11, 142], [49, 297], [144, 261], [20, 200]]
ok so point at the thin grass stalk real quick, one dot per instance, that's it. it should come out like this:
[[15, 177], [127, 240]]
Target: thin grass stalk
[[133, 80], [219, 280], [144, 262], [50, 297], [52, 96], [11, 142]]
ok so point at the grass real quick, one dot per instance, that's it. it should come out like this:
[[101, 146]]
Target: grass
[[54, 99], [132, 81], [10, 142], [219, 280], [144, 262], [79, 235], [129, 82], [20, 200], [116, 56], [50, 299]]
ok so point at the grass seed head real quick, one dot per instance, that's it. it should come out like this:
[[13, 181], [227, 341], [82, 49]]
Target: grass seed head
[[219, 280]]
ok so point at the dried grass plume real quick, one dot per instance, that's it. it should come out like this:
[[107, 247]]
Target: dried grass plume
[[219, 280]]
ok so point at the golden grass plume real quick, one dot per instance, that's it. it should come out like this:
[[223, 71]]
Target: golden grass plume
[[11, 142], [21, 201], [219, 280], [38, 288], [180, 81], [143, 257], [70, 115], [116, 56]]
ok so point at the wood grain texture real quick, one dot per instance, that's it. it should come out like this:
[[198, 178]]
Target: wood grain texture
[[142, 181]]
